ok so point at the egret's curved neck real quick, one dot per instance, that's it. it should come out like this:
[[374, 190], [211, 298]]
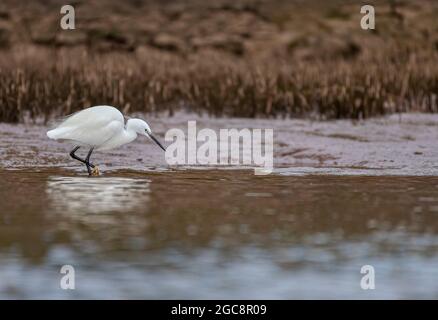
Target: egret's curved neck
[[129, 132]]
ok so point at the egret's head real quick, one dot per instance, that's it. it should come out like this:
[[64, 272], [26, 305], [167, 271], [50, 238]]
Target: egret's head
[[141, 127]]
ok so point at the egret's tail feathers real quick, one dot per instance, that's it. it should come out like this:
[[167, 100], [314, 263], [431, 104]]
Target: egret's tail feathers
[[57, 133]]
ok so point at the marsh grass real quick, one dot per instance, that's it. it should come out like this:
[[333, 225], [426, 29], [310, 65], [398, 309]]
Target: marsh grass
[[46, 84]]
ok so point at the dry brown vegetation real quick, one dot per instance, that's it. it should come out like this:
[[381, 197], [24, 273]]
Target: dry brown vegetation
[[233, 58]]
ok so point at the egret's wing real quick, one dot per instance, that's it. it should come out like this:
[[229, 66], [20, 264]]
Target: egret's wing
[[58, 121], [98, 115], [92, 135], [93, 126]]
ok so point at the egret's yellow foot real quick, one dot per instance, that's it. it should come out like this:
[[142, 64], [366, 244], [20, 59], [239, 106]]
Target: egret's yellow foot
[[95, 171]]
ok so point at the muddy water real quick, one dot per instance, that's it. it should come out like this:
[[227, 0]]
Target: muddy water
[[216, 234]]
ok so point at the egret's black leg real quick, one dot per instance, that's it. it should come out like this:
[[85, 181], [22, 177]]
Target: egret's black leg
[[87, 161], [72, 154]]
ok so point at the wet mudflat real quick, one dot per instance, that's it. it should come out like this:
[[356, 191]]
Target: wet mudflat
[[405, 144], [216, 234]]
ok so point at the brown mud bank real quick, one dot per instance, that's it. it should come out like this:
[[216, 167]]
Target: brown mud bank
[[405, 144]]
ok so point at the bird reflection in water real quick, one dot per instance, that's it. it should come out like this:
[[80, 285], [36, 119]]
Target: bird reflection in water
[[82, 195]]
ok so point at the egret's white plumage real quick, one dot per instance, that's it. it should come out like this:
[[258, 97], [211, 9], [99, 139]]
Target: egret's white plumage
[[100, 128]]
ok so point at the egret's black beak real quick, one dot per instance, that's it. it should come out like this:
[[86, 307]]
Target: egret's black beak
[[156, 141]]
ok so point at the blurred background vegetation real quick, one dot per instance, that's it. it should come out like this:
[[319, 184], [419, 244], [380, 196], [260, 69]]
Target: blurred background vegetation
[[260, 58]]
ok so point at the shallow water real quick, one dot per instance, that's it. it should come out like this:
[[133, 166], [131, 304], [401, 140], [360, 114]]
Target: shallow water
[[216, 234]]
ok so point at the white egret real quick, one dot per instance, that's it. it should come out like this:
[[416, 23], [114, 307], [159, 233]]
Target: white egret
[[99, 128]]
